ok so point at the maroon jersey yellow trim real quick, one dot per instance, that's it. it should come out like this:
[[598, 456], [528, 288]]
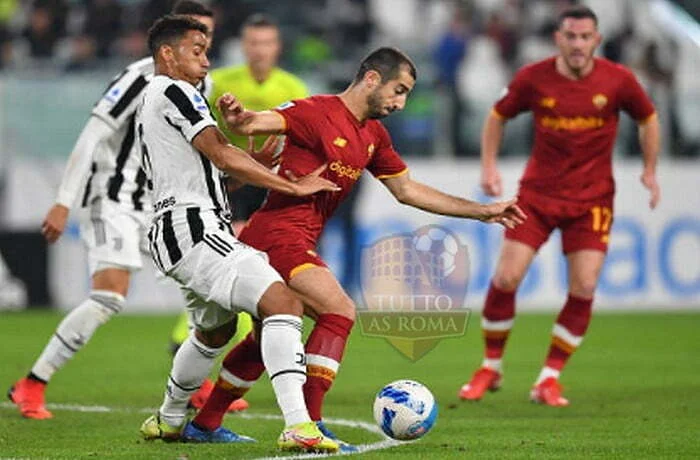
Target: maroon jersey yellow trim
[[389, 176], [646, 120]]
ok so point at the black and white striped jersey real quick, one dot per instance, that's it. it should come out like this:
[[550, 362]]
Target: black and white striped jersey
[[116, 171], [173, 112], [112, 168], [188, 191]]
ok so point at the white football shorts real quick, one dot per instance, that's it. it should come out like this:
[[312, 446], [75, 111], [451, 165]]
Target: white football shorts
[[115, 237], [217, 284]]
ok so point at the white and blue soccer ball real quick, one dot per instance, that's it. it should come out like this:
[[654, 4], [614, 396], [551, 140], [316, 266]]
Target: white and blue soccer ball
[[405, 410]]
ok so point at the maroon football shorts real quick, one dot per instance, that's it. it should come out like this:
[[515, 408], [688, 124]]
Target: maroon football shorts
[[583, 225]]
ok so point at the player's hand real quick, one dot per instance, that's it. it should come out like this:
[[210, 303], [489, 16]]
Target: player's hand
[[232, 111], [491, 181], [269, 153], [506, 213], [649, 180], [54, 223], [312, 182]]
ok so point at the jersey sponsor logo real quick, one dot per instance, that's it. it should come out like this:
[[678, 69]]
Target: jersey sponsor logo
[[343, 170], [340, 142], [164, 203], [548, 102], [370, 150], [600, 101], [572, 123], [285, 105]]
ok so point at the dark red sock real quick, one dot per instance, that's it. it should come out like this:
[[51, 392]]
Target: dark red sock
[[499, 307], [571, 326], [242, 364], [324, 352]]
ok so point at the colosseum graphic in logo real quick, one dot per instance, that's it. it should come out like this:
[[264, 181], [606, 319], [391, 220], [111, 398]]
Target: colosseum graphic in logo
[[413, 287]]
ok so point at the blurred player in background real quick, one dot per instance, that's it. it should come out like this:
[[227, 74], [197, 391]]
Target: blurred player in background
[[259, 85], [568, 184], [191, 241], [104, 172], [344, 132]]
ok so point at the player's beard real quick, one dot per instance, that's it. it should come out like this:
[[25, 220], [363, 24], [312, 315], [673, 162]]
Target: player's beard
[[374, 106], [583, 59]]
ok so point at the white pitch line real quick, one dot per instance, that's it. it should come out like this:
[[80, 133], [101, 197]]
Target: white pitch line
[[386, 443]]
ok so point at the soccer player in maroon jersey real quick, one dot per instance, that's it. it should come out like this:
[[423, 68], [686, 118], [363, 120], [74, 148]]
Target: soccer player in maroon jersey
[[343, 132], [568, 184]]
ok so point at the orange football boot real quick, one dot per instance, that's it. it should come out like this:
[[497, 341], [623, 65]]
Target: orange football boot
[[28, 395], [548, 392], [483, 379]]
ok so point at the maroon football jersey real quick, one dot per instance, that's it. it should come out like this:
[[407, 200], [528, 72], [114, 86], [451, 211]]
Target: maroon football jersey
[[321, 130], [575, 125]]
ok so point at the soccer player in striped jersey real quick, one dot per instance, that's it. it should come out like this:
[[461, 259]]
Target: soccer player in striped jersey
[[185, 156], [104, 173], [260, 85]]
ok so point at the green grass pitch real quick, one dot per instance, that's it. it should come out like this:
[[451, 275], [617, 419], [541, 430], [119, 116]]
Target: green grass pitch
[[634, 387]]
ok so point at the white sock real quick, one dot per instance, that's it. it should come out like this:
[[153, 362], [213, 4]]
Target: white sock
[[285, 361], [191, 365], [546, 373], [493, 363], [75, 330]]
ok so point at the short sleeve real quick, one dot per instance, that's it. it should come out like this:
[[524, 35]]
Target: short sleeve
[[515, 98], [386, 162], [301, 121], [186, 109], [122, 97], [634, 100]]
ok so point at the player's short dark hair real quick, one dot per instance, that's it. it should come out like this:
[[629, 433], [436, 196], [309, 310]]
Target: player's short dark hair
[[171, 28], [259, 20], [387, 62], [577, 12], [192, 8]]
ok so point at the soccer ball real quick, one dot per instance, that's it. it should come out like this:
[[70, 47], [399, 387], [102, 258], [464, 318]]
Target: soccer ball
[[439, 244], [405, 410]]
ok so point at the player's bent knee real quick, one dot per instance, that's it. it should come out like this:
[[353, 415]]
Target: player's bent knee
[[218, 337], [279, 300], [111, 280], [583, 289], [507, 280], [346, 309]]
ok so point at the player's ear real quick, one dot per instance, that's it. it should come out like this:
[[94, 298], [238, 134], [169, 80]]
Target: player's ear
[[373, 79], [166, 53]]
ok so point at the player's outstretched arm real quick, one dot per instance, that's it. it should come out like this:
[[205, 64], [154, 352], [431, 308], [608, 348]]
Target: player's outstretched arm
[[248, 123], [422, 196], [649, 133], [491, 137], [74, 177], [268, 155], [239, 165]]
